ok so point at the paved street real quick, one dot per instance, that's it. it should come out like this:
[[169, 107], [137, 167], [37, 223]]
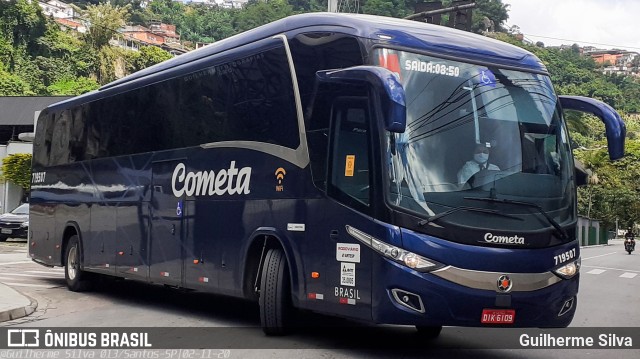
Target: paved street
[[609, 281]]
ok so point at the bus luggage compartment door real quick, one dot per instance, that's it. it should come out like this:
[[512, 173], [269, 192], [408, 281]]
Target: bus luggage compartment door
[[166, 234]]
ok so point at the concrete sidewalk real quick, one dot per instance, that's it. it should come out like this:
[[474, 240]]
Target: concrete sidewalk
[[14, 305]]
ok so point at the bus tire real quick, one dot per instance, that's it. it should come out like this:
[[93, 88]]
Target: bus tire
[[77, 280], [429, 332], [275, 294]]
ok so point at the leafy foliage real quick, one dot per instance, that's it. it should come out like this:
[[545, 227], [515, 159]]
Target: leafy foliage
[[72, 86], [105, 20], [13, 85], [260, 13], [147, 56], [16, 168], [616, 195]]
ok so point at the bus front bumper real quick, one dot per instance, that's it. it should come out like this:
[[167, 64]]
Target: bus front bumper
[[427, 299]]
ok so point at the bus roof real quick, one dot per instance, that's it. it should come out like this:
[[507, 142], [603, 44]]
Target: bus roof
[[382, 30]]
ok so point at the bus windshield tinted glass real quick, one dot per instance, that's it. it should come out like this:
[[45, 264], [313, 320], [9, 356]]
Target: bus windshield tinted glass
[[477, 131]]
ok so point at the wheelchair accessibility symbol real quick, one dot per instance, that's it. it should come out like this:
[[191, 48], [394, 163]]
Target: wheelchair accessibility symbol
[[179, 209], [487, 78]]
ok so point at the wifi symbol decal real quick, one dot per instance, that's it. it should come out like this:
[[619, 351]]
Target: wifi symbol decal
[[280, 172]]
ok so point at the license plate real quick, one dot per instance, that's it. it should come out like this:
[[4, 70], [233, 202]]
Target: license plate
[[5, 231], [498, 316]]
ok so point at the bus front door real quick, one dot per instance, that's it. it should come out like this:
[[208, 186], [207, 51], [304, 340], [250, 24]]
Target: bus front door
[[166, 234], [344, 286]]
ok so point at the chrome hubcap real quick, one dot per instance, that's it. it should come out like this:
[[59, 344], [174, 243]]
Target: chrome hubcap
[[72, 263]]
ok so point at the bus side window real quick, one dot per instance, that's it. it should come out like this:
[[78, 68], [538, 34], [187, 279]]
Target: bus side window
[[77, 141], [60, 139], [42, 144], [349, 172]]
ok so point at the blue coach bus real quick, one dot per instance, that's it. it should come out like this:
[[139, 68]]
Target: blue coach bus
[[313, 164]]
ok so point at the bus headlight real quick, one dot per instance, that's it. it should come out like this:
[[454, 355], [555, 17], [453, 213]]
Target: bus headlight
[[568, 270], [396, 254]]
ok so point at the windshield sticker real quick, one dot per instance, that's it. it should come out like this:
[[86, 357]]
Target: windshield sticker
[[431, 68], [350, 163], [348, 274], [486, 78]]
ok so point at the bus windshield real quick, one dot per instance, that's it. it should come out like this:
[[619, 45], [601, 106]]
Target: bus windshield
[[478, 139]]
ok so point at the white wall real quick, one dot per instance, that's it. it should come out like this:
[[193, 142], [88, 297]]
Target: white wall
[[3, 154]]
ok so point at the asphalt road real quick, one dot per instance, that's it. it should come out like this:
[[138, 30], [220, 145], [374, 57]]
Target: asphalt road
[[608, 298]]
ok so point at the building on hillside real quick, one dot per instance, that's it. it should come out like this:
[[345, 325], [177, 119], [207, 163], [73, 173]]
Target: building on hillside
[[174, 48], [57, 9], [68, 24], [620, 62], [167, 31], [225, 4], [159, 34], [603, 58], [142, 35], [17, 124], [232, 4]]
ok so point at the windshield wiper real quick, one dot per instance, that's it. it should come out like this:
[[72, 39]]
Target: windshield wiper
[[462, 208], [563, 233]]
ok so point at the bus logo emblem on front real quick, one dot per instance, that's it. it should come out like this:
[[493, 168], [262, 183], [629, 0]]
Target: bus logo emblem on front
[[504, 284]]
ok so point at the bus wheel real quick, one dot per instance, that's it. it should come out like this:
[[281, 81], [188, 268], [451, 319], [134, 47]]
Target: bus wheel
[[76, 278], [429, 332], [275, 294]]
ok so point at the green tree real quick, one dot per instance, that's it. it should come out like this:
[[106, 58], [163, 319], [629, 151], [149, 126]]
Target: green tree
[[69, 47], [302, 6], [391, 8], [72, 86], [260, 13], [147, 56], [16, 168], [494, 10], [616, 196], [21, 22], [13, 85], [167, 11], [114, 64], [105, 20]]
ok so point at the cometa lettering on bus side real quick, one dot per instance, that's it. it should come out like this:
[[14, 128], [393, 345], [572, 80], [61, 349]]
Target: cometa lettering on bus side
[[208, 183]]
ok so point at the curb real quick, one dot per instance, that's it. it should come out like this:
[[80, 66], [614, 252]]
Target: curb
[[20, 312]]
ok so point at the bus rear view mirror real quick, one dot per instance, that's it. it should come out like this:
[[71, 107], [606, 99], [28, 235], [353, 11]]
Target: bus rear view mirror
[[386, 86], [614, 126]]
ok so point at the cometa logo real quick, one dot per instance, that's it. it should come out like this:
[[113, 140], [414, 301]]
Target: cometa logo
[[280, 172], [208, 183], [490, 238]]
